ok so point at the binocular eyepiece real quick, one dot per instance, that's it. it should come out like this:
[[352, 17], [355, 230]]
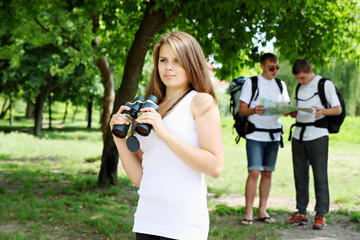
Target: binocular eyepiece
[[139, 103]]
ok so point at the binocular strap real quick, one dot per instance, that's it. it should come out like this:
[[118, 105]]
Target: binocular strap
[[132, 142]]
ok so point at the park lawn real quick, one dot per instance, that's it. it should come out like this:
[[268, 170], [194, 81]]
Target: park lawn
[[48, 186]]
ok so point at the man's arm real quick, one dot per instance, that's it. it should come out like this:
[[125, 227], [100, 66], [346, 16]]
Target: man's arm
[[244, 110], [334, 111]]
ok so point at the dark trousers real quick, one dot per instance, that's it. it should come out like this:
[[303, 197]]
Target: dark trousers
[[141, 236], [314, 153]]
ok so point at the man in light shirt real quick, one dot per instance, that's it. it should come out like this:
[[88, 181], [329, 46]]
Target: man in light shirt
[[310, 143]]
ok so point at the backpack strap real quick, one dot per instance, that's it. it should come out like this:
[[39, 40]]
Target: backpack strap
[[321, 123], [251, 128], [296, 91], [303, 128], [321, 91], [254, 84], [254, 87], [278, 81]]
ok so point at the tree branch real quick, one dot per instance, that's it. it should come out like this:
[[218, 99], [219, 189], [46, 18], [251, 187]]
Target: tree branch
[[64, 34], [42, 26]]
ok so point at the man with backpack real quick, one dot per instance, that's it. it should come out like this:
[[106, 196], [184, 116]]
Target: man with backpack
[[311, 142], [263, 133]]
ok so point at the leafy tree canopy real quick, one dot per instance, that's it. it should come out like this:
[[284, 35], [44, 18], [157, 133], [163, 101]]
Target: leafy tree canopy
[[234, 30], [231, 31]]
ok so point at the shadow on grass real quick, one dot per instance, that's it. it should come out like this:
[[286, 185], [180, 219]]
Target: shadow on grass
[[8, 129], [63, 133]]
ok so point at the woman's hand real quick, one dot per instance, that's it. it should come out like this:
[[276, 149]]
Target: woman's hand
[[152, 117], [119, 118]]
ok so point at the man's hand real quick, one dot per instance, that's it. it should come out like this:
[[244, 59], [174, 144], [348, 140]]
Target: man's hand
[[291, 114], [259, 109]]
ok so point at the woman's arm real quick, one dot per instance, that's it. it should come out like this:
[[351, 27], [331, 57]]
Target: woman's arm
[[131, 162], [207, 159]]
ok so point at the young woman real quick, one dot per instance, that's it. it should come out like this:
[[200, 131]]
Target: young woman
[[184, 144]]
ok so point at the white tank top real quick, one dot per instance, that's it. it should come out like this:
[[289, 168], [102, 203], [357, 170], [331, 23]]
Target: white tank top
[[172, 199]]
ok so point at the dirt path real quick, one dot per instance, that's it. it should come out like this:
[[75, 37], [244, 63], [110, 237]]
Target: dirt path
[[340, 229]]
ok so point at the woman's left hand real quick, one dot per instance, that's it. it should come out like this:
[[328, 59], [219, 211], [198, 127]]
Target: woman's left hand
[[152, 117]]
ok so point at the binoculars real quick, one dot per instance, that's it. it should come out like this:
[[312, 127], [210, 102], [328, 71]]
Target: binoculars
[[143, 129]]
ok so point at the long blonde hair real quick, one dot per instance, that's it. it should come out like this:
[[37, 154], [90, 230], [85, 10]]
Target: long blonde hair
[[191, 58]]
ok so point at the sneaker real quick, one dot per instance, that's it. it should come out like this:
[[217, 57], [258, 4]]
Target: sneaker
[[298, 219], [320, 223]]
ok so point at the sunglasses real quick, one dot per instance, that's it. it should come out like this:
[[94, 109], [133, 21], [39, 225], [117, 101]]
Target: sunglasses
[[271, 69]]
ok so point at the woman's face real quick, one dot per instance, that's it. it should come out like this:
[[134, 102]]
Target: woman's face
[[172, 74]]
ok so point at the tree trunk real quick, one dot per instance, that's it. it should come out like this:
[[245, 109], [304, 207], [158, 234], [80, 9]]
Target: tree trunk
[[153, 22], [109, 163], [11, 119], [101, 116], [89, 112], [49, 100], [29, 109], [65, 113], [4, 109], [39, 105], [107, 78], [75, 112]]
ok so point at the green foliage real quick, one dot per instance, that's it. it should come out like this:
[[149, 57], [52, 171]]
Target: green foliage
[[224, 103], [232, 31], [346, 77], [225, 224], [312, 19], [224, 210], [36, 65], [44, 39], [355, 217]]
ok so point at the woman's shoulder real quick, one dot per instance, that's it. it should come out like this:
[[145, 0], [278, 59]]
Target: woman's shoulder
[[201, 103], [202, 98]]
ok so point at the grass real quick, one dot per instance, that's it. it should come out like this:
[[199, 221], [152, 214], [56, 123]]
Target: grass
[[48, 186]]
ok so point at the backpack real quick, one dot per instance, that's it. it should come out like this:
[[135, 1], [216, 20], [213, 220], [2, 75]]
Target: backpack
[[235, 87], [241, 124], [332, 123]]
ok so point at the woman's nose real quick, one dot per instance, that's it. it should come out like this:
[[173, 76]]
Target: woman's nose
[[169, 66]]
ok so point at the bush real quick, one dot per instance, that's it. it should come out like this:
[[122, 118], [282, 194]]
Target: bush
[[224, 103]]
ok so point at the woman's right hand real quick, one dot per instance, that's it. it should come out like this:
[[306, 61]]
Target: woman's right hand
[[119, 118]]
